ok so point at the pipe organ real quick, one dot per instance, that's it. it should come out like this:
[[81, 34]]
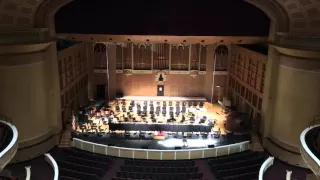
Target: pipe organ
[[162, 56]]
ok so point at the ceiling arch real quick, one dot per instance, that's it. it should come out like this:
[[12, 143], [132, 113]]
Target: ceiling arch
[[304, 15]]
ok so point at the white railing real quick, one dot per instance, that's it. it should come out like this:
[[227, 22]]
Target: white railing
[[28, 172], [266, 164], [7, 154], [311, 160], [53, 164], [160, 154]]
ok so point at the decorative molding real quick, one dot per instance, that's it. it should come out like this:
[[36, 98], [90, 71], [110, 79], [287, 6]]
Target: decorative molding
[[202, 72], [142, 72], [220, 72], [29, 36], [23, 48], [162, 74], [297, 40], [127, 72], [302, 53], [194, 73], [179, 72]]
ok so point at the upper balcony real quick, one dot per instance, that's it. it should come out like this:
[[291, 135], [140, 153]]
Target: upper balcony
[[8, 141], [310, 148]]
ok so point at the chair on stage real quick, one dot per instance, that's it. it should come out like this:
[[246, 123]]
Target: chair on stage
[[184, 103], [170, 103], [124, 109], [195, 104], [183, 109], [178, 103], [132, 103], [123, 102], [117, 108], [145, 107], [201, 104], [164, 112]]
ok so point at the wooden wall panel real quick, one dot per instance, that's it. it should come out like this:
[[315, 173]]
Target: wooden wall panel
[[176, 85]]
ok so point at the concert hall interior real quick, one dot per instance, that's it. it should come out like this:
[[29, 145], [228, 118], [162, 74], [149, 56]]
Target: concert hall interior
[[183, 89]]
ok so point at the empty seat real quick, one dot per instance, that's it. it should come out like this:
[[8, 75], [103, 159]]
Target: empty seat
[[77, 175]]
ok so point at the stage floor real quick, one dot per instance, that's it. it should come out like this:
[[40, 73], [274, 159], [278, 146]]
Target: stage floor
[[196, 142]]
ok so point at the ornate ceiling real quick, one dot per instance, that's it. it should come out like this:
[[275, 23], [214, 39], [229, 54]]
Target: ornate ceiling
[[304, 15]]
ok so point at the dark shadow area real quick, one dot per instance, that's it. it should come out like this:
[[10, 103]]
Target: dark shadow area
[[6, 136], [179, 17], [64, 44]]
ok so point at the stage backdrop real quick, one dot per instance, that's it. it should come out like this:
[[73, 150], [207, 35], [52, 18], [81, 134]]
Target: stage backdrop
[[181, 85]]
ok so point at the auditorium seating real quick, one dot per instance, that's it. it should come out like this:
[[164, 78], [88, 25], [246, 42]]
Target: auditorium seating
[[239, 166], [76, 164], [311, 141], [152, 169], [6, 135]]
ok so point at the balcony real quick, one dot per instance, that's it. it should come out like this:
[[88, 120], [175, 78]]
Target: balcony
[[8, 141], [309, 148]]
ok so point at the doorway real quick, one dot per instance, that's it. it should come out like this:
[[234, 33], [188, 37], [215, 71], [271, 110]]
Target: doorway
[[101, 92], [160, 90]]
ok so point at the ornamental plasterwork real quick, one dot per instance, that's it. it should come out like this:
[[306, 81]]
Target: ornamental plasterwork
[[161, 74], [127, 72], [194, 73]]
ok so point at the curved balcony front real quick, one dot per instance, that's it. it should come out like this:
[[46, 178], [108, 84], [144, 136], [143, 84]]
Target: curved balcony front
[[310, 148], [8, 141]]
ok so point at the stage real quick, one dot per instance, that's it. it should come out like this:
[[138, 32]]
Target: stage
[[170, 143]]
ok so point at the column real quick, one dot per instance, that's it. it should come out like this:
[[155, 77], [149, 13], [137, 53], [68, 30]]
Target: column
[[30, 96], [295, 99]]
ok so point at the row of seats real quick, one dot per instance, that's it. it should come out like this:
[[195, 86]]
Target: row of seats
[[72, 174], [80, 165], [87, 155], [159, 176], [81, 168], [239, 166], [232, 157], [159, 169], [151, 163]]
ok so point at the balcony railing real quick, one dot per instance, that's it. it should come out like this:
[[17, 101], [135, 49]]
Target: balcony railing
[[307, 155], [53, 164], [266, 164], [10, 150]]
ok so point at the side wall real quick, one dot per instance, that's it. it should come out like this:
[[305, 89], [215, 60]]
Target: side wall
[[73, 77]]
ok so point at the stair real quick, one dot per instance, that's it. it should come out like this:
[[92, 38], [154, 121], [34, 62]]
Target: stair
[[256, 143], [65, 141]]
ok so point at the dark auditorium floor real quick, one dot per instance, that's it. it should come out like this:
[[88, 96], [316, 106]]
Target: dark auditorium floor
[[40, 168], [278, 171]]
